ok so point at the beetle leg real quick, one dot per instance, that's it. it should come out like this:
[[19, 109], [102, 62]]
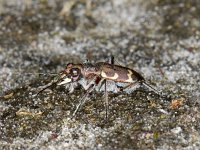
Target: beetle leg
[[83, 99], [129, 85], [102, 81], [142, 83], [106, 100], [106, 96], [151, 88]]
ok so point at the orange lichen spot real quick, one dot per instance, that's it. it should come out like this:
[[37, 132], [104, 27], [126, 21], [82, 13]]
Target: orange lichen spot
[[176, 103]]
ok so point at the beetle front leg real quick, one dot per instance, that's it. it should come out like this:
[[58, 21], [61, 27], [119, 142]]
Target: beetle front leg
[[91, 87], [83, 99], [104, 81]]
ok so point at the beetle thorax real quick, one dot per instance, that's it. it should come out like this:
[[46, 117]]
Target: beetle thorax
[[90, 70]]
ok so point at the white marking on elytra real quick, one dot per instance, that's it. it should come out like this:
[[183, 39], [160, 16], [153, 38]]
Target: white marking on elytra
[[103, 74], [129, 76]]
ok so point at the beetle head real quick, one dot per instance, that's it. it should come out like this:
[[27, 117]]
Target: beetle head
[[72, 73]]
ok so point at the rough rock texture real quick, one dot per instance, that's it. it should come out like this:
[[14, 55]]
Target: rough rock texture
[[158, 38]]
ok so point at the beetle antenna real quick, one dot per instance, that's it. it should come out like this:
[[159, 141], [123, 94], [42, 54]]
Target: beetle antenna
[[26, 73]]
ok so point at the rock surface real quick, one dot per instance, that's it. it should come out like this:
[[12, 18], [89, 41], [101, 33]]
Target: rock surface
[[158, 38]]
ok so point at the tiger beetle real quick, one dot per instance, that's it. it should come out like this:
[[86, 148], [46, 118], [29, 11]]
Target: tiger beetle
[[98, 75]]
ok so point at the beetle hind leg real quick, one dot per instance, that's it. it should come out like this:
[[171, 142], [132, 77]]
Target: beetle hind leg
[[151, 88], [130, 85]]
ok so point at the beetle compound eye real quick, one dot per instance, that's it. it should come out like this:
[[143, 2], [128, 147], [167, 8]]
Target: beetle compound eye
[[75, 72]]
